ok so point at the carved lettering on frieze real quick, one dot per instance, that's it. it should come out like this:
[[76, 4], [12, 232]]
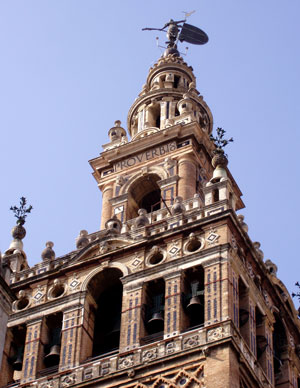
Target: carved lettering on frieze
[[145, 156]]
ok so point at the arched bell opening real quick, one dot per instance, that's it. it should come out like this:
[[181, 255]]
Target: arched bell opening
[[106, 289], [13, 364], [52, 340], [144, 194], [153, 115], [193, 298], [244, 311], [261, 341], [280, 347], [154, 310]]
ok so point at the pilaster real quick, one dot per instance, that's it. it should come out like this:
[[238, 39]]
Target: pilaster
[[33, 352]]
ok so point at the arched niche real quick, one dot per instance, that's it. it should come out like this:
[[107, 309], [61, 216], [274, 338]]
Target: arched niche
[[106, 289]]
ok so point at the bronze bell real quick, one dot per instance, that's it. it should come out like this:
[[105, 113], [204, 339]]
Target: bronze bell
[[17, 364], [156, 323], [243, 316], [52, 358], [194, 304], [115, 332]]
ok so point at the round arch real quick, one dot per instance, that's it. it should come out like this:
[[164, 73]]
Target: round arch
[[161, 172], [116, 265]]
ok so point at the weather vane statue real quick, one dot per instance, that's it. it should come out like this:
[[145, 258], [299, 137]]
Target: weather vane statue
[[180, 30]]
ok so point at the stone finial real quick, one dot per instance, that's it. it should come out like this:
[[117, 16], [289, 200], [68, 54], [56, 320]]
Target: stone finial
[[242, 223], [82, 240], [48, 253], [185, 104], [219, 160], [271, 267], [18, 232], [260, 253], [117, 133], [178, 206], [113, 225], [142, 219]]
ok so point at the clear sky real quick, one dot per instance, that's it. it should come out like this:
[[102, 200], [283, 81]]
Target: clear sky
[[70, 68]]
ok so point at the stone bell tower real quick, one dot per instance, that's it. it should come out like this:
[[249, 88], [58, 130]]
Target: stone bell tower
[[168, 155], [172, 291]]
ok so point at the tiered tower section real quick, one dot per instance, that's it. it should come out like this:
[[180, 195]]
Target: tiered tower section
[[171, 292]]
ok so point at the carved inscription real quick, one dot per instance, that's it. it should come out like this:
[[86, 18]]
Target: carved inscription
[[144, 156]]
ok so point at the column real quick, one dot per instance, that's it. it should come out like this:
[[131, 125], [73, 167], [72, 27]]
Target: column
[[187, 177], [107, 194], [33, 351]]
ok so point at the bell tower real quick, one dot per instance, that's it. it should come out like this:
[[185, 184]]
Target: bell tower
[[169, 154], [171, 291]]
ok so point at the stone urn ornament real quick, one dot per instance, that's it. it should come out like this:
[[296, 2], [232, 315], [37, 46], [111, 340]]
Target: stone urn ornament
[[178, 207], [142, 219]]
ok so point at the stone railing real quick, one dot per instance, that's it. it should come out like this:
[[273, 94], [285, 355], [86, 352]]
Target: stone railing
[[159, 221]]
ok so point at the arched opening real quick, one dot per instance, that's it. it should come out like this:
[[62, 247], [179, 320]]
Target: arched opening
[[106, 290], [193, 298], [154, 311], [12, 363], [153, 115], [52, 340], [215, 195], [145, 194], [280, 347], [244, 311]]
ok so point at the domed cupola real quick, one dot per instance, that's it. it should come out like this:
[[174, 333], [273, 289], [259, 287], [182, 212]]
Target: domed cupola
[[169, 97]]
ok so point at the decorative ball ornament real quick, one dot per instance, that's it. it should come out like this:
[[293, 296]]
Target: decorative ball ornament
[[219, 159], [142, 219], [18, 232], [178, 207], [82, 240], [48, 253]]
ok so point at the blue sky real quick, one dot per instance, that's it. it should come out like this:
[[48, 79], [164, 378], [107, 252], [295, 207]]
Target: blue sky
[[70, 68]]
